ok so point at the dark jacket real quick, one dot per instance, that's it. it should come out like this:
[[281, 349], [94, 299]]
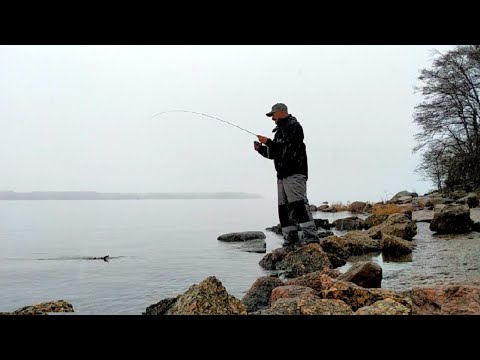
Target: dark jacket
[[287, 148]]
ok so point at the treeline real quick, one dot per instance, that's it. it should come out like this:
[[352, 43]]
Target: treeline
[[448, 116]]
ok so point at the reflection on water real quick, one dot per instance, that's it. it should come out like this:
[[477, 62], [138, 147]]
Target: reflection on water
[[386, 258]]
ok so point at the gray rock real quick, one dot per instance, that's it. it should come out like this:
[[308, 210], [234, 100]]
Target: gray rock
[[366, 274], [242, 236]]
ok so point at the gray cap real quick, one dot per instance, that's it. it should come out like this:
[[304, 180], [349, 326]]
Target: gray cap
[[277, 107]]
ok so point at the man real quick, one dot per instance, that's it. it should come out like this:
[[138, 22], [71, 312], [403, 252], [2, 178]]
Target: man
[[288, 152]]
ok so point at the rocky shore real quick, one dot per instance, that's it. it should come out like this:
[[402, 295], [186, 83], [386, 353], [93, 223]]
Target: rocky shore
[[305, 279]]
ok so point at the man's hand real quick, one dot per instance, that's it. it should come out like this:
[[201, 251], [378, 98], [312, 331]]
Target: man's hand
[[257, 145], [262, 139]]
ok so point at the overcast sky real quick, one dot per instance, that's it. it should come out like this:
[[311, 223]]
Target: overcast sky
[[81, 117]]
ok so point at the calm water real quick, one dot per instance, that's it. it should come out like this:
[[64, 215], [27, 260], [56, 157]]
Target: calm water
[[162, 247]]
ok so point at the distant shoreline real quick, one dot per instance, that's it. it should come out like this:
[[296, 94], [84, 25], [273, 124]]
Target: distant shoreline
[[93, 195]]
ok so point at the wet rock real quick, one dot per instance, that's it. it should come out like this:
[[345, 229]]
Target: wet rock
[[359, 242], [270, 261], [258, 296], [336, 250], [451, 219], [322, 224], [395, 246], [255, 246], [366, 274], [397, 258], [277, 229], [350, 223], [242, 236], [306, 259], [399, 225]]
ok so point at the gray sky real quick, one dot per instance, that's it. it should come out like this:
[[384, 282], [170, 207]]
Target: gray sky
[[80, 117]]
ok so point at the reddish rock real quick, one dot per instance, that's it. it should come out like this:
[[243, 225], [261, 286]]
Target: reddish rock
[[446, 300]]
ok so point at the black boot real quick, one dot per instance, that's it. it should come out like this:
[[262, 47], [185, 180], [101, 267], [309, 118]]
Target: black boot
[[290, 236]]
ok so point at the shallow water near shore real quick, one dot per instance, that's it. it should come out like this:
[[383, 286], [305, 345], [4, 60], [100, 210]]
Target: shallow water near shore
[[435, 260]]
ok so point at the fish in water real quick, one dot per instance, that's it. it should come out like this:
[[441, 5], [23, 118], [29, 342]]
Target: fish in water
[[104, 258]]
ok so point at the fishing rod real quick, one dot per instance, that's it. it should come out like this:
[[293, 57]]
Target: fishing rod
[[213, 117]]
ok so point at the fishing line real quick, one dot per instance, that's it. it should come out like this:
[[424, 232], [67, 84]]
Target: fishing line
[[213, 117]]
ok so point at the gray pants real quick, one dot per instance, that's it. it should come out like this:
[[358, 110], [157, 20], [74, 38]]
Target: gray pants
[[293, 210]]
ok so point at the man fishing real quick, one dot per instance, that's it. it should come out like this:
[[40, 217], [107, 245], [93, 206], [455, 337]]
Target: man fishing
[[288, 152]]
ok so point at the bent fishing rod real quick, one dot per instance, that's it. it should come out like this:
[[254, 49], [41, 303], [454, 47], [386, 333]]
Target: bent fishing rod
[[213, 117]]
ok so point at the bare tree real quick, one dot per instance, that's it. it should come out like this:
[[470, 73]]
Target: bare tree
[[449, 119]]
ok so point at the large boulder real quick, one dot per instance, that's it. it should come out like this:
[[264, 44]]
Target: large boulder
[[354, 243], [308, 258], [258, 296], [357, 207], [398, 224], [366, 274], [353, 295], [446, 300], [401, 194], [451, 219], [336, 250], [206, 298]]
